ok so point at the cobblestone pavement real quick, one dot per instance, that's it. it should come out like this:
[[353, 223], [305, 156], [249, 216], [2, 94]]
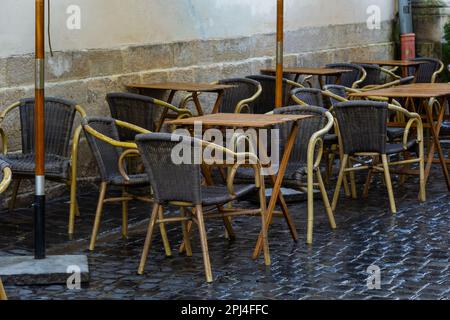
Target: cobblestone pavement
[[411, 248]]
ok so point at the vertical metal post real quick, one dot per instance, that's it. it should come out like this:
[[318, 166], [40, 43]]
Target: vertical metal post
[[39, 203], [279, 67]]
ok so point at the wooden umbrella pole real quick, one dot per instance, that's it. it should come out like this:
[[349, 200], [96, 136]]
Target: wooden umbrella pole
[[279, 58], [39, 205]]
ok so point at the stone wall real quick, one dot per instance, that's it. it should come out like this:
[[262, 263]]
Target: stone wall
[[86, 76], [429, 17]]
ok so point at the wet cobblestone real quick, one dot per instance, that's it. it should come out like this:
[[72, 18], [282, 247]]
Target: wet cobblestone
[[411, 248]]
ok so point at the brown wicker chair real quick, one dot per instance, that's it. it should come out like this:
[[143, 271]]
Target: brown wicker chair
[[241, 97], [110, 154], [142, 111], [180, 185], [351, 79], [363, 129], [427, 72], [60, 156], [5, 180]]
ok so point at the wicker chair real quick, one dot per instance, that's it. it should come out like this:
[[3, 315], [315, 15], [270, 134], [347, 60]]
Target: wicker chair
[[363, 129], [266, 101], [427, 72], [110, 154], [5, 180], [377, 76], [179, 184], [142, 111], [239, 98], [305, 159], [349, 79], [60, 157], [316, 97]]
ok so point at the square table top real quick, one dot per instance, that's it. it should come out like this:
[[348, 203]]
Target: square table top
[[310, 71], [182, 86], [242, 120], [391, 63], [414, 90]]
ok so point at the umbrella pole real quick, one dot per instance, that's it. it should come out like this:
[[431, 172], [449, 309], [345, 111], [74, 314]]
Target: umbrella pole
[[39, 204], [279, 58]]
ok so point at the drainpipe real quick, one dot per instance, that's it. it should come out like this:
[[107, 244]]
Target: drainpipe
[[407, 35]]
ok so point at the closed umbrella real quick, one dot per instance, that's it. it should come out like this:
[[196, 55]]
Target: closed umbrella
[[39, 205], [279, 54]]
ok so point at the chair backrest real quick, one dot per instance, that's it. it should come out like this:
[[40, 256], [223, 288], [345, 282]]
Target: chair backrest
[[266, 101], [243, 89], [59, 119], [373, 76], [171, 181], [106, 155], [337, 90], [286, 75], [307, 128], [309, 96], [135, 109], [347, 79], [426, 71], [362, 125]]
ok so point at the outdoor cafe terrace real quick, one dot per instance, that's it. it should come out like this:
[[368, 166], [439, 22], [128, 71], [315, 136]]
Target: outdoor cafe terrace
[[282, 158]]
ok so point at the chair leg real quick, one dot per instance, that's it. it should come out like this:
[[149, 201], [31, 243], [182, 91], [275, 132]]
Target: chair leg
[[73, 206], [264, 226], [148, 238], [77, 209], [387, 177], [2, 292], [229, 228], [12, 201], [310, 196], [204, 242], [339, 182], [422, 183], [369, 178], [346, 186], [402, 179], [98, 215], [186, 238], [162, 228], [326, 201], [124, 215], [352, 181]]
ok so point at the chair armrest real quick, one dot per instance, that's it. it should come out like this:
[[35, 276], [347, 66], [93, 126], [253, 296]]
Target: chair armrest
[[434, 78], [4, 141], [121, 161], [414, 118], [238, 159], [390, 72], [7, 177], [80, 110], [172, 107], [245, 103], [313, 159], [363, 77], [113, 142], [294, 84]]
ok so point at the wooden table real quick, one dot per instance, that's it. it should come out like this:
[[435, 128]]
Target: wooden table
[[259, 122], [403, 64], [319, 72], [191, 87], [426, 93]]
